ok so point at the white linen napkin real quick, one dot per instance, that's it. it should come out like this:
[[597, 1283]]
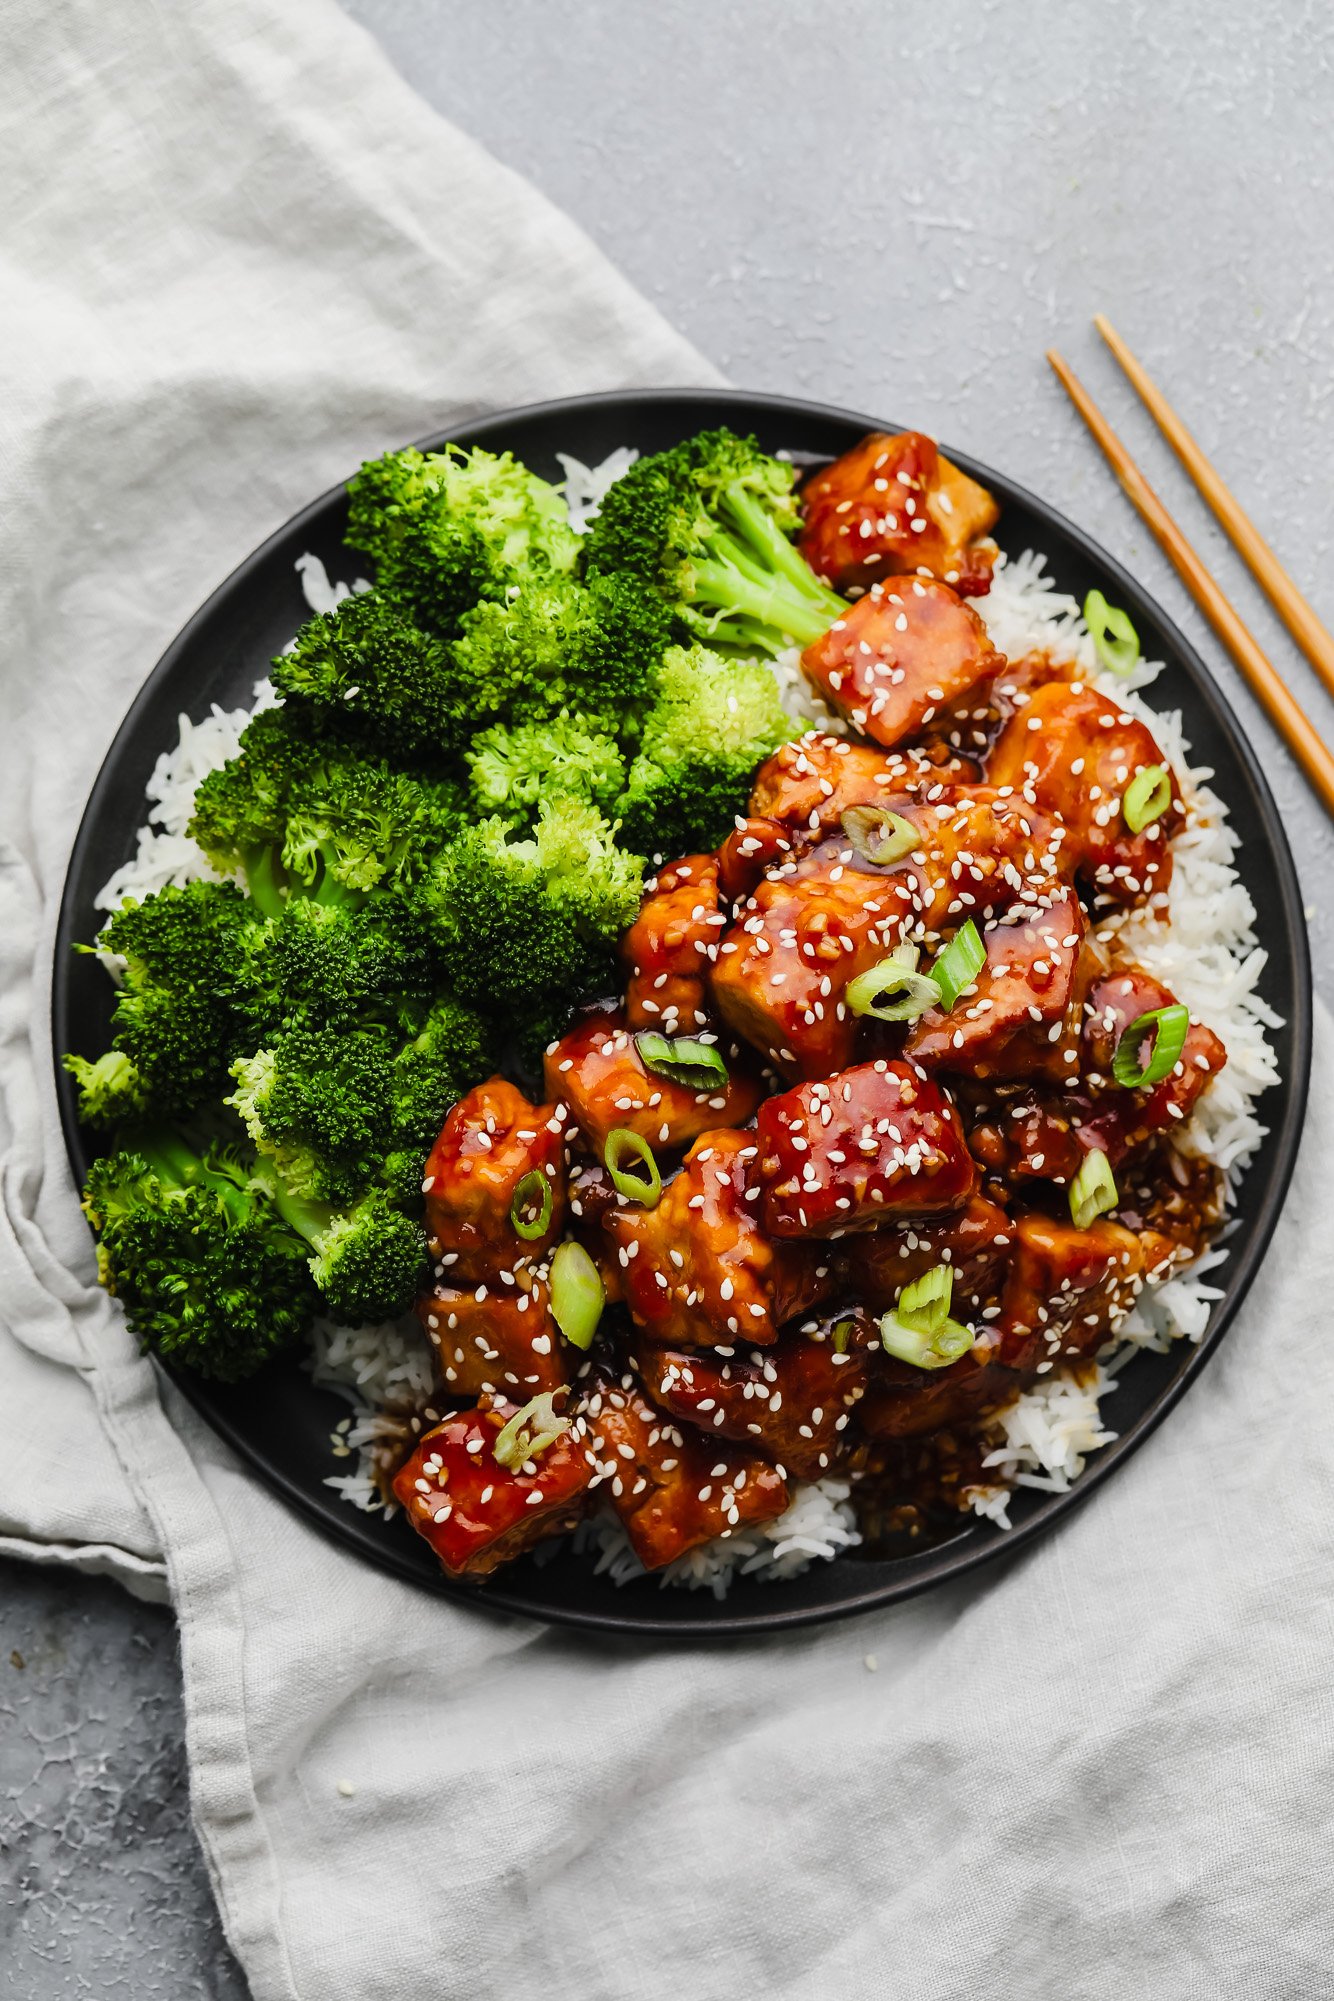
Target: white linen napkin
[[238, 254]]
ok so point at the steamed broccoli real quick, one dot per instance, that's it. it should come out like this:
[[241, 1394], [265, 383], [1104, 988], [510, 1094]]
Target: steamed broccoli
[[535, 921], [318, 962], [297, 810], [452, 1050], [714, 721], [219, 1266], [707, 524], [180, 1013], [555, 645], [316, 1101], [366, 672], [513, 768], [449, 528]]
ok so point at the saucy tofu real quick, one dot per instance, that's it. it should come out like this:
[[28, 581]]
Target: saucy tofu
[[670, 946], [1064, 1289], [793, 1401], [1072, 752], [852, 1150], [699, 1268], [807, 786], [672, 1487], [598, 1069], [497, 1337], [974, 1242], [895, 504], [900, 656], [477, 1513], [491, 1141], [904, 1402], [1025, 990]]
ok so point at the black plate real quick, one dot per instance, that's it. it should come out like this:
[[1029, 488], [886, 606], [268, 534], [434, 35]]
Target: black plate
[[283, 1430]]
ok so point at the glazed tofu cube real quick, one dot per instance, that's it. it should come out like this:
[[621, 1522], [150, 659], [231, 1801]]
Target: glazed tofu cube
[[1122, 1120], [900, 657], [673, 1488], [699, 1269], [597, 1068], [753, 847], [1065, 1289], [491, 1140], [1023, 1001], [975, 1242], [792, 1402], [807, 786], [670, 946], [892, 505], [785, 965], [495, 1338], [904, 1402], [477, 1513], [859, 1148], [1071, 751]]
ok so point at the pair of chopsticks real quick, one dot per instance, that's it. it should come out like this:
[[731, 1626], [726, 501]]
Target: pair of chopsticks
[[1286, 714]]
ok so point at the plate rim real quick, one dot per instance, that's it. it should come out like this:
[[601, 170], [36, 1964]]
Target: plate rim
[[948, 1565]]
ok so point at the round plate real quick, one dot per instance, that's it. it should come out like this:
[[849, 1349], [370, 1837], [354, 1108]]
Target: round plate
[[283, 1430]]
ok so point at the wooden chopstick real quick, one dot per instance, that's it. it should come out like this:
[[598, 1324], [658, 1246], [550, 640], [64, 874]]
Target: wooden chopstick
[[1300, 618], [1286, 714]]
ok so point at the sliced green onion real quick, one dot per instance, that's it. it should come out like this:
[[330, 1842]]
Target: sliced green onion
[[1167, 1026], [893, 990], [577, 1294], [959, 964], [530, 1431], [622, 1145], [878, 835], [530, 1211], [841, 1335], [1093, 1189], [1147, 797], [919, 1330], [683, 1059], [925, 1304], [1115, 640]]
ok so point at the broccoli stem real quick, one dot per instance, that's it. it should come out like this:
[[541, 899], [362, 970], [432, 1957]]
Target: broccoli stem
[[787, 613], [767, 538], [309, 1219], [261, 874]]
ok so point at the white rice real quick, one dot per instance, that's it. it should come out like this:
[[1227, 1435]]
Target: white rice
[[1205, 951]]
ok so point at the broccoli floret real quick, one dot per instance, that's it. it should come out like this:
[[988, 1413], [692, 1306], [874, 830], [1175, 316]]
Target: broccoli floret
[[513, 768], [453, 1049], [198, 1254], [298, 811], [714, 721], [449, 528], [590, 650], [179, 1017], [317, 1102], [370, 675], [367, 1259], [707, 524], [533, 923], [324, 963]]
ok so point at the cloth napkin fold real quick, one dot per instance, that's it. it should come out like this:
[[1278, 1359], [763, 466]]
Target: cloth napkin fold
[[238, 254]]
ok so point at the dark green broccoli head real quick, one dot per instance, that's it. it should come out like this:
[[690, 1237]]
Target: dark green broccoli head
[[714, 722], [317, 1102], [318, 962], [368, 1261], [366, 672], [453, 1049], [208, 1273]]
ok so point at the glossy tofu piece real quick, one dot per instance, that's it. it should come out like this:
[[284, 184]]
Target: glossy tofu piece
[[495, 1338], [1121, 1120], [792, 1402], [893, 505], [753, 847], [1073, 752], [784, 967], [806, 786], [489, 1142], [857, 1149], [1012, 1022], [670, 946], [598, 1070], [974, 1241], [1064, 1290], [477, 1514], [900, 657], [904, 1402], [673, 1488], [700, 1269]]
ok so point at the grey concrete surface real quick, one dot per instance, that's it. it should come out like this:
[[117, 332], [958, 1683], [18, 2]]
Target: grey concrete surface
[[898, 209]]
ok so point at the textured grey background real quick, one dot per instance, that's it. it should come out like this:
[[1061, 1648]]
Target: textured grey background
[[885, 206]]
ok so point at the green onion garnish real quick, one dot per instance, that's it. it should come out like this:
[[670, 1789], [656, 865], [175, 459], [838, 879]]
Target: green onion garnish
[[1147, 797], [1115, 640], [530, 1211], [893, 990], [878, 835], [1093, 1189], [643, 1187], [959, 964], [577, 1294], [530, 1431], [841, 1335], [1167, 1026], [919, 1329], [683, 1059]]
